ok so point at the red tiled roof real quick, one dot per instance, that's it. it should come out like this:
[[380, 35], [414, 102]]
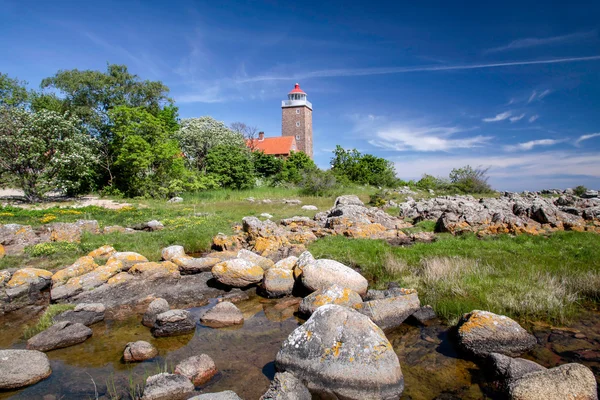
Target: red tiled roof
[[275, 145], [297, 89]]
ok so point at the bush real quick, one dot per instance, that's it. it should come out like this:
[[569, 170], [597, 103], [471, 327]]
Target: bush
[[431, 182], [318, 183], [231, 166], [297, 164], [266, 165], [580, 190], [46, 249], [364, 169], [470, 180]]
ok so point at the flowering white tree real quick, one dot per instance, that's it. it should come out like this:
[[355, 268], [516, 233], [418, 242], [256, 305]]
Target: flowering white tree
[[198, 135], [43, 151]]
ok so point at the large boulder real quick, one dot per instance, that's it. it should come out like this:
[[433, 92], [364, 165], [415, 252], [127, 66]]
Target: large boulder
[[15, 234], [390, 312], [169, 253], [103, 252], [139, 351], [482, 333], [198, 369], [507, 369], [286, 386], [82, 266], [255, 259], [223, 314], [323, 273], [61, 334], [167, 387], [226, 395], [568, 381], [278, 282], [155, 270], [173, 323], [19, 368], [287, 263], [237, 272], [157, 306], [191, 265], [334, 294], [84, 313], [34, 277], [128, 258], [341, 353], [348, 200]]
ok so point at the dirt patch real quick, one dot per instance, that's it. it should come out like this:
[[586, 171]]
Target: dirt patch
[[14, 197]]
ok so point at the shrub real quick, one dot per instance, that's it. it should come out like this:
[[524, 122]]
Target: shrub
[[266, 165], [318, 183], [470, 180], [295, 166], [580, 190], [431, 182], [46, 249], [47, 319], [231, 166], [364, 169]]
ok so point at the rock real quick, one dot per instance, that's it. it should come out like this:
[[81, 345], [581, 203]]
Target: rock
[[481, 333], [86, 282], [154, 270], [167, 387], [237, 273], [175, 200], [4, 277], [61, 334], [286, 386], [332, 295], [157, 306], [169, 253], [390, 312], [19, 368], [15, 234], [266, 215], [2, 251], [116, 229], [424, 314], [508, 369], [340, 353], [82, 266], [223, 314], [72, 231], [139, 351], [309, 208], [102, 253], [173, 323], [30, 277], [323, 273], [287, 263], [589, 194], [304, 259], [568, 381], [128, 258], [348, 200], [292, 201], [191, 265], [226, 395], [154, 225], [86, 314], [278, 282], [255, 259], [198, 369]]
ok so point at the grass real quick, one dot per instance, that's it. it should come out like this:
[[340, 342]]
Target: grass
[[526, 277], [47, 319]]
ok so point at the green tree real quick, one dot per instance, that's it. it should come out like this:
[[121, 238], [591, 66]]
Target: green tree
[[197, 136], [364, 169], [318, 183], [266, 165], [13, 92], [147, 158], [580, 190], [231, 166], [295, 166], [470, 180], [43, 151]]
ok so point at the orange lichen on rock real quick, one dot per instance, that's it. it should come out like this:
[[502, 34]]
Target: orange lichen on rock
[[82, 266], [28, 275]]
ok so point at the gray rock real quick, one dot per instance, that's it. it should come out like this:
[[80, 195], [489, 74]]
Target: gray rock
[[590, 194], [198, 369], [389, 313], [334, 294], [292, 201], [84, 313], [238, 272], [191, 265], [15, 234], [149, 226], [255, 259], [223, 314], [569, 381], [324, 273], [173, 323], [226, 395], [61, 334], [157, 306], [266, 215], [278, 282], [175, 200], [139, 351], [424, 314], [19, 368], [508, 369], [348, 200], [310, 208], [167, 387], [341, 353], [482, 332], [286, 386], [169, 253]]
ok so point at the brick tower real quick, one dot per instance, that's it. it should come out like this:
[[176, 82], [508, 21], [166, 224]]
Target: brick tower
[[296, 119]]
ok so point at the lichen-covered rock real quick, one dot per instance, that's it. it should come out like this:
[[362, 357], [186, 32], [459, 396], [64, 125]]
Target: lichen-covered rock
[[173, 323], [72, 231], [255, 259], [286, 386], [278, 282], [198, 369], [167, 387], [139, 351], [128, 258], [222, 315], [157, 306], [191, 265], [39, 278], [2, 251], [304, 259], [324, 273], [102, 253], [507, 369], [119, 278], [348, 200], [84, 313], [226, 395], [332, 295], [390, 312], [287, 263], [169, 253], [4, 277], [61, 334], [15, 234], [568, 381], [155, 270], [424, 314], [82, 266], [341, 353], [482, 332], [19, 368], [237, 273], [88, 281]]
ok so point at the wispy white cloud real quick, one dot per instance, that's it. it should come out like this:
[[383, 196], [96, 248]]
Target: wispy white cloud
[[546, 41], [531, 144], [498, 117], [586, 137], [517, 118], [535, 95], [347, 72], [533, 118]]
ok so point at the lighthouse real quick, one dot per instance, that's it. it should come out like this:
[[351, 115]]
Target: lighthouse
[[296, 119]]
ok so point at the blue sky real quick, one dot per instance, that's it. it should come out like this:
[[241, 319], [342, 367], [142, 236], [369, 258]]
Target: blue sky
[[514, 86]]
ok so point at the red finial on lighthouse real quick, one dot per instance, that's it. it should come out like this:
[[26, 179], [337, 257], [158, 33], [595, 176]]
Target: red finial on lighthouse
[[297, 89]]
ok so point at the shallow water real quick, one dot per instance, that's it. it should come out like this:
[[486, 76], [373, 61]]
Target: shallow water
[[244, 355]]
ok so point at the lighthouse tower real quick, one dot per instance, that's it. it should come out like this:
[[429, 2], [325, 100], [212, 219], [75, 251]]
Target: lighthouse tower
[[296, 120]]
